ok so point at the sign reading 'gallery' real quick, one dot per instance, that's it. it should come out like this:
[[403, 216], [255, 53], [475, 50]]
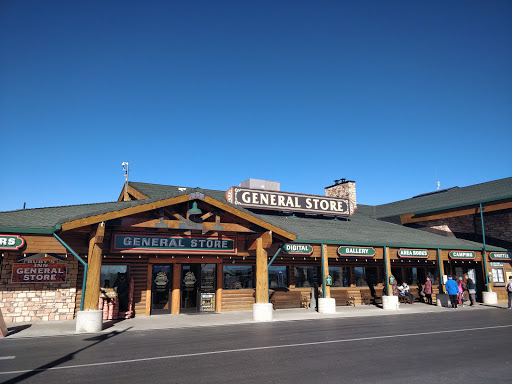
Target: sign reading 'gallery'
[[159, 243], [288, 202], [356, 251]]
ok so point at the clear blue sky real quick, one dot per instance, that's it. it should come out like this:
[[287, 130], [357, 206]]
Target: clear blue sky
[[210, 93]]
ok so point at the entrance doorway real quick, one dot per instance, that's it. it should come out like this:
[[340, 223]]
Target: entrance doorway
[[198, 287], [161, 289]]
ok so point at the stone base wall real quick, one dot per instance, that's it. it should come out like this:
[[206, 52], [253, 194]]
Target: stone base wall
[[28, 302]]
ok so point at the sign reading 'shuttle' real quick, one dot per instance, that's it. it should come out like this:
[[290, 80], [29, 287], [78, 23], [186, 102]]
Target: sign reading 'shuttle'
[[356, 251], [288, 202], [160, 243]]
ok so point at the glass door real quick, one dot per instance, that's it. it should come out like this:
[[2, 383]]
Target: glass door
[[160, 289], [189, 287]]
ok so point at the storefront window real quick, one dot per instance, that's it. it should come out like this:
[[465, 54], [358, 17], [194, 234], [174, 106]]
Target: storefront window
[[306, 277], [411, 275], [497, 275], [277, 277], [109, 274], [208, 277], [238, 277], [433, 273], [365, 276], [340, 276], [397, 273]]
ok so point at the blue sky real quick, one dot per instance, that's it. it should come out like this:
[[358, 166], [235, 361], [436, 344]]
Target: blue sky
[[210, 93]]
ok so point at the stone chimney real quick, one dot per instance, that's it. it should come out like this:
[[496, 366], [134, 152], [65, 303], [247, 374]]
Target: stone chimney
[[345, 189]]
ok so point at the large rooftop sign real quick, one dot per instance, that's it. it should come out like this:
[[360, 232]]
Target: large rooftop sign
[[289, 202]]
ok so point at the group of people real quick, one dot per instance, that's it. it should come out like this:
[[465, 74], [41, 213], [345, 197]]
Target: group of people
[[454, 286]]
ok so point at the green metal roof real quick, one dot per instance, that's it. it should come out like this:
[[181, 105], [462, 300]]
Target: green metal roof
[[360, 229]]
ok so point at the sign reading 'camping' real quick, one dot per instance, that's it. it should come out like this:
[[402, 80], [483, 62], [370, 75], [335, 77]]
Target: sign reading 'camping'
[[289, 202], [159, 243], [356, 251], [413, 253], [297, 249], [462, 255], [11, 242]]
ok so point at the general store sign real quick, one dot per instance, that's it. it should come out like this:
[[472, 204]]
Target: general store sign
[[11, 242], [356, 251], [500, 256], [39, 268], [289, 202], [297, 249], [462, 255], [159, 243], [413, 253]]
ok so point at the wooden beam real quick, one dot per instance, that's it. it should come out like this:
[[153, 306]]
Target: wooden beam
[[132, 191], [261, 273], [326, 270], [410, 218], [220, 286], [228, 208], [266, 238], [174, 224], [176, 289], [123, 212], [92, 291]]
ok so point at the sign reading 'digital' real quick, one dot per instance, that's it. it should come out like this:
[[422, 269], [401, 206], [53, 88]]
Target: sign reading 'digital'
[[500, 256], [159, 243], [39, 268], [12, 242], [297, 249], [413, 253], [356, 251], [289, 202], [462, 255]]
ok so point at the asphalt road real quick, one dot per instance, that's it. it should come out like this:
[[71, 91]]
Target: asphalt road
[[465, 346]]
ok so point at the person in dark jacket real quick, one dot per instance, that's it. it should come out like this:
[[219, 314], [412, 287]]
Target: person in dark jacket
[[427, 289], [453, 289], [470, 286]]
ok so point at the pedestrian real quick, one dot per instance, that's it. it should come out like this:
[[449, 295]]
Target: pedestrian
[[427, 290], [406, 291], [394, 287], [453, 289], [470, 286], [460, 296], [509, 291]]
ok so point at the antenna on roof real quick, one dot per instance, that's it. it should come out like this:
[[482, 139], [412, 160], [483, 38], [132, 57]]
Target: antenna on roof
[[126, 170], [437, 180]]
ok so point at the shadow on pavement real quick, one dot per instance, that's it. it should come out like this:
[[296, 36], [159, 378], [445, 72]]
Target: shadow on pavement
[[70, 356], [13, 330]]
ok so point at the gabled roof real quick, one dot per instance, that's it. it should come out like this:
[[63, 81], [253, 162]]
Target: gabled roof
[[454, 197]]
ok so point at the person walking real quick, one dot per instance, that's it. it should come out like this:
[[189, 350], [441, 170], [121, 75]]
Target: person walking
[[427, 289], [453, 289], [509, 291], [470, 286], [460, 296]]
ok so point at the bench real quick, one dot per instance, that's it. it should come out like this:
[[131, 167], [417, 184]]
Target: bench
[[342, 297], [286, 299], [366, 297], [404, 299]]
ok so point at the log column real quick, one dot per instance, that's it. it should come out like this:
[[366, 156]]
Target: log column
[[176, 289], [92, 290], [325, 263], [389, 301], [326, 304], [220, 286], [262, 309]]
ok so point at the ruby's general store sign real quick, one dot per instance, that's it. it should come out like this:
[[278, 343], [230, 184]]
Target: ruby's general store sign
[[158, 243], [289, 202], [39, 268], [11, 242]]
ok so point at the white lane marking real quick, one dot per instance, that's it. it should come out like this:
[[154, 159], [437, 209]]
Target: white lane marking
[[252, 349], [7, 357]]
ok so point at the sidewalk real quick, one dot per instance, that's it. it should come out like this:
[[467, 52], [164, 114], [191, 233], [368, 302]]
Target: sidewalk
[[141, 323]]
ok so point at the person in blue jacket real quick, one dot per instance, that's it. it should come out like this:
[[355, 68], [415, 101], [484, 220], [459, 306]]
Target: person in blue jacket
[[453, 289]]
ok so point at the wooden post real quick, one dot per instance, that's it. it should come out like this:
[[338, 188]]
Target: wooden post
[[176, 289], [92, 290], [486, 270], [326, 270], [220, 286], [261, 273], [387, 261], [441, 270]]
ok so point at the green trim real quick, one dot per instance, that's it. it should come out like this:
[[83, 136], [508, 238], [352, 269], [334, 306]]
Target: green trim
[[323, 272], [484, 256], [461, 205], [396, 245], [39, 231]]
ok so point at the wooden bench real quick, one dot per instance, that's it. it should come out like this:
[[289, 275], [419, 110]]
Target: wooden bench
[[343, 298], [286, 299], [366, 297]]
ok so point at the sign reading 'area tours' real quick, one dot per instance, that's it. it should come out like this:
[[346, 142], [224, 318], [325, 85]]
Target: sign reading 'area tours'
[[289, 202]]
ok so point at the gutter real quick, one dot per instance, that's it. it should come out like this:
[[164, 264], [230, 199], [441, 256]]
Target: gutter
[[269, 264], [86, 267]]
